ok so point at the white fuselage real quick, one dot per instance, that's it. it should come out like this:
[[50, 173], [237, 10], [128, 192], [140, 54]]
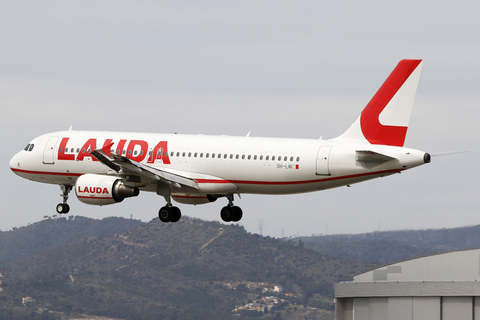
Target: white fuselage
[[219, 164]]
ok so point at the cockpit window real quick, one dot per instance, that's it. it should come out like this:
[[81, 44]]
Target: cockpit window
[[26, 148], [31, 147]]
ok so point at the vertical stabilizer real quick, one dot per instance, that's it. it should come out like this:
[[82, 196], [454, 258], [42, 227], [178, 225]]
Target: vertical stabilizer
[[385, 118]]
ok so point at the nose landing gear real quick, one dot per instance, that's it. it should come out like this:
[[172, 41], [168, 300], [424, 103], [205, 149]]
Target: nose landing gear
[[64, 208]]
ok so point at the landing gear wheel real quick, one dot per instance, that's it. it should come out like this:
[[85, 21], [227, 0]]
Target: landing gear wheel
[[227, 213], [231, 213], [238, 214], [63, 208], [176, 214], [164, 214], [169, 214]]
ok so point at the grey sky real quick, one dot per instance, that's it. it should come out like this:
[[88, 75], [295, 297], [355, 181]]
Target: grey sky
[[275, 68]]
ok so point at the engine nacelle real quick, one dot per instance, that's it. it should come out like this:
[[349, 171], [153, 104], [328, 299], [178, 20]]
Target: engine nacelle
[[102, 190]]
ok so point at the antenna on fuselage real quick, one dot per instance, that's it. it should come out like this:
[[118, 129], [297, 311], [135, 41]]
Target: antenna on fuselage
[[70, 129]]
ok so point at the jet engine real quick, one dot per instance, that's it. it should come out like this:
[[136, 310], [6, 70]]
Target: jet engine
[[102, 190]]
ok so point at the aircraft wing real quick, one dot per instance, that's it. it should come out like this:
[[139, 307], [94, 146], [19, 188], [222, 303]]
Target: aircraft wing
[[121, 163]]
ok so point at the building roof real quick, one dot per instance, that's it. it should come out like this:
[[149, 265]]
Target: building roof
[[462, 265]]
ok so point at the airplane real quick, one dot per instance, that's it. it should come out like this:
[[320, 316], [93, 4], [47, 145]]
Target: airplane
[[106, 167]]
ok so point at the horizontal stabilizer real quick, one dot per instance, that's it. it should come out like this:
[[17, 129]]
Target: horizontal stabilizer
[[372, 156]]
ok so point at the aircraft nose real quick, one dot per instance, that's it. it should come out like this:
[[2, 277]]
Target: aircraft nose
[[15, 163]]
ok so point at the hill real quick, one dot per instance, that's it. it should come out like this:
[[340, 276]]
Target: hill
[[188, 270], [391, 246], [49, 233]]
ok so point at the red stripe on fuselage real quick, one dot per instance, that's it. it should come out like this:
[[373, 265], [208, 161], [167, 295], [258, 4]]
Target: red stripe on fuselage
[[48, 173], [273, 183]]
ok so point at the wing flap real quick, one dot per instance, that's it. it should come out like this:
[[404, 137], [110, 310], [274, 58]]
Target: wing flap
[[121, 163]]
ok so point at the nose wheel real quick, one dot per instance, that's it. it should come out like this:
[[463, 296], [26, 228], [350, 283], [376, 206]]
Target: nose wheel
[[64, 208]]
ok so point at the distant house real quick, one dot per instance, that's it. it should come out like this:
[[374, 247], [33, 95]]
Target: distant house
[[27, 300]]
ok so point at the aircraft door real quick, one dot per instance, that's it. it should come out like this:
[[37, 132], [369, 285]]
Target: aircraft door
[[323, 157], [48, 153]]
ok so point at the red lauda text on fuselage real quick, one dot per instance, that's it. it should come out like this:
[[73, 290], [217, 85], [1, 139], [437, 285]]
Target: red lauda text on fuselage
[[160, 151]]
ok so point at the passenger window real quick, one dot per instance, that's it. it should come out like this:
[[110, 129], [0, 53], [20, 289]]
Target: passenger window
[[61, 149], [255, 157], [238, 156], [129, 152], [172, 154], [291, 158], [78, 150], [266, 158], [249, 157], [206, 156], [83, 150], [195, 155], [201, 154], [225, 156], [213, 155], [231, 156], [243, 157], [219, 155], [178, 154], [124, 151], [71, 150], [183, 154], [298, 159], [261, 157], [285, 159], [150, 153], [189, 154], [273, 158]]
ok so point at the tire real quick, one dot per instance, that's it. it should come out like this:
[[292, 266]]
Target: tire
[[165, 214], [66, 208], [238, 214], [60, 208], [227, 213], [176, 214]]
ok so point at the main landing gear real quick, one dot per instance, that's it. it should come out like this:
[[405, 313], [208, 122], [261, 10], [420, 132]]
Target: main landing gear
[[231, 213], [169, 213], [64, 208]]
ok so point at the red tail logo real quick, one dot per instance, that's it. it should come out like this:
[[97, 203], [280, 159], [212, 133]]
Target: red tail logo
[[376, 132]]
